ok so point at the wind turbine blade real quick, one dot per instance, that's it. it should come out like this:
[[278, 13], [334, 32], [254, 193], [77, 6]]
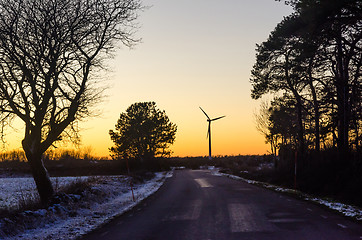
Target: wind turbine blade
[[217, 118], [204, 113]]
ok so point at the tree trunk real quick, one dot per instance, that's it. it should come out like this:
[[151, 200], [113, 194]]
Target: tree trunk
[[301, 145], [39, 172], [317, 129], [342, 101], [41, 178], [293, 89], [316, 107]]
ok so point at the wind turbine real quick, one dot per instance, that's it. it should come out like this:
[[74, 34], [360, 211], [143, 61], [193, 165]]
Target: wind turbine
[[209, 130]]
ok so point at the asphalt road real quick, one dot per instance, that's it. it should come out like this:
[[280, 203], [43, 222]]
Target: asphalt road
[[197, 205]]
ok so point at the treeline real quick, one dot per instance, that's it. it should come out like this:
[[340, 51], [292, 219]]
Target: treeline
[[311, 65], [71, 164], [60, 162], [51, 155]]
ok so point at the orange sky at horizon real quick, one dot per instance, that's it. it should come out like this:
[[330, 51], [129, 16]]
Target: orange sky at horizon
[[192, 54]]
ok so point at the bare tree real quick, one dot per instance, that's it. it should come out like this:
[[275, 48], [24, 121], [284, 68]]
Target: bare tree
[[49, 50], [263, 125]]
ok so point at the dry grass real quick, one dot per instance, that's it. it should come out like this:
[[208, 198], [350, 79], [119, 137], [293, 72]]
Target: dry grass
[[29, 213]]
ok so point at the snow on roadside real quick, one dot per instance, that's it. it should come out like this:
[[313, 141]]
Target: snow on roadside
[[95, 214], [346, 210]]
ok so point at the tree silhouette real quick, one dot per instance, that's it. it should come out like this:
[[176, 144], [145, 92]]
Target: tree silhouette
[[314, 55], [142, 132], [276, 70], [337, 26], [49, 51]]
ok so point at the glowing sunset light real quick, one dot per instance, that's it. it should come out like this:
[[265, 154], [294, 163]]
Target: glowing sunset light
[[192, 53]]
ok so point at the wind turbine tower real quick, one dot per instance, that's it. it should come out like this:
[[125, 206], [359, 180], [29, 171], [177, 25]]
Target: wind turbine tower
[[209, 130]]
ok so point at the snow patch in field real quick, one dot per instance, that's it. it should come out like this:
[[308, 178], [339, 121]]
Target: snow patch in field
[[15, 190], [95, 214]]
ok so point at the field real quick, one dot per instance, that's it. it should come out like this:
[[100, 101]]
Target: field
[[90, 202], [83, 183]]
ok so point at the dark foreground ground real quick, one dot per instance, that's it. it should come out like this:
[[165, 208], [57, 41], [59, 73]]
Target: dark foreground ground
[[198, 205]]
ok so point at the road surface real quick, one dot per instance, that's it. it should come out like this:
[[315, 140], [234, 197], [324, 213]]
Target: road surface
[[198, 205]]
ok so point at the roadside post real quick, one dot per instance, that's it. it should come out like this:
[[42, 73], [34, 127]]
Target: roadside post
[[295, 170], [131, 183]]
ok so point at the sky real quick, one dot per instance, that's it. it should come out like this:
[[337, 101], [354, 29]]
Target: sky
[[192, 53]]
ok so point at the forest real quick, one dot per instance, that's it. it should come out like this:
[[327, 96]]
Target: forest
[[310, 66]]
